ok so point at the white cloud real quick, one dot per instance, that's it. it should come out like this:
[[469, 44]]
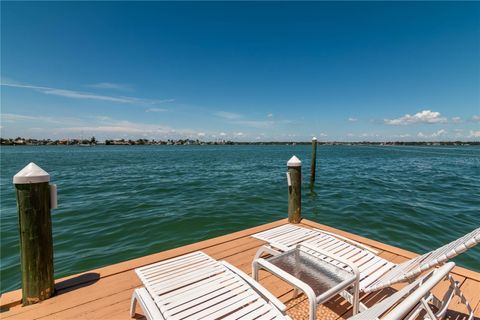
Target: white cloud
[[457, 120], [228, 115], [201, 134], [12, 117], [256, 123], [155, 110], [223, 134], [112, 86], [322, 134], [85, 95], [239, 134], [474, 134], [425, 116], [476, 118], [435, 134], [439, 133], [270, 115], [352, 119]]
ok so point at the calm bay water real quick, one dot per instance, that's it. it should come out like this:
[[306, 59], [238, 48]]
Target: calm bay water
[[121, 202]]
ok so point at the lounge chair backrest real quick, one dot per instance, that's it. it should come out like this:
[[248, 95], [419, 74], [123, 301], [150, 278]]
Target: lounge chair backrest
[[413, 267]]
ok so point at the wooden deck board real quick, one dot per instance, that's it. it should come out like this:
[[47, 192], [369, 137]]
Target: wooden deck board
[[105, 292]]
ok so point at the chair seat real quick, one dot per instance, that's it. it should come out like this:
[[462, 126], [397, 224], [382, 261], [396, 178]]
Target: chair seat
[[196, 286]]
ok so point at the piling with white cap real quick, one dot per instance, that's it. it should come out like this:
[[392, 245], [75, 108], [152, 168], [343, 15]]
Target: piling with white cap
[[314, 161], [294, 175], [35, 226]]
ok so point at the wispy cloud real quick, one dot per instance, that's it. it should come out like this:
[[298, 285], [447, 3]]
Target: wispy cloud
[[85, 95], [456, 120], [156, 110], [107, 127], [474, 134], [425, 116], [239, 119], [256, 123], [112, 86], [352, 119], [476, 118], [436, 134], [12, 117], [228, 115]]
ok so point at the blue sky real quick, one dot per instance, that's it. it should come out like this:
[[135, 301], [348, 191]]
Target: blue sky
[[241, 71]]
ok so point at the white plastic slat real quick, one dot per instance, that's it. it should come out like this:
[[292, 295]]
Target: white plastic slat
[[230, 306], [165, 268], [244, 312], [354, 255], [337, 246], [363, 258], [344, 246], [371, 263], [216, 280], [174, 261], [320, 240], [197, 296], [184, 275], [204, 301], [305, 233], [220, 303], [331, 244], [287, 234], [347, 252], [375, 275], [269, 234], [160, 288], [373, 268], [180, 271], [295, 239]]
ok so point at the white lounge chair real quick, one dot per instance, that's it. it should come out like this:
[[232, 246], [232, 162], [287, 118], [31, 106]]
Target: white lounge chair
[[375, 272], [195, 286]]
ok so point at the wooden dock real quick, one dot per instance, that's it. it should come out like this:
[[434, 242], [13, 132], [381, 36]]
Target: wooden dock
[[105, 293]]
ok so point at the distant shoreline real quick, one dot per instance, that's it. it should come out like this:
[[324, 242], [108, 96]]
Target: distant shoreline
[[94, 142]]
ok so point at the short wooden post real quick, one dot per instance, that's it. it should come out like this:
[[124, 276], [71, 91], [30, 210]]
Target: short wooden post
[[35, 226], [294, 177], [314, 161]]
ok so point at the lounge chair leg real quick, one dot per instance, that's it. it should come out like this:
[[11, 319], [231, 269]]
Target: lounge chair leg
[[453, 290], [133, 303]]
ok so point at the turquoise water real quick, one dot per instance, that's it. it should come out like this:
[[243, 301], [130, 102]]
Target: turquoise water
[[121, 202]]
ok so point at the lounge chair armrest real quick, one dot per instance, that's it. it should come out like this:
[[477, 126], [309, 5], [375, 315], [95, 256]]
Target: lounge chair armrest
[[355, 243], [267, 294]]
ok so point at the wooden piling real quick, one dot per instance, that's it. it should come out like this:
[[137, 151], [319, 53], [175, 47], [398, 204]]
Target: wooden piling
[[314, 161], [294, 190], [35, 227]]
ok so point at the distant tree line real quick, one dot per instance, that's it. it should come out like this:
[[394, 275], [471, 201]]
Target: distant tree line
[[92, 141]]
